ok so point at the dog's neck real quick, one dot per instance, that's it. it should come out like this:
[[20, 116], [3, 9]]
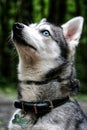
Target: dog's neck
[[49, 91], [36, 93]]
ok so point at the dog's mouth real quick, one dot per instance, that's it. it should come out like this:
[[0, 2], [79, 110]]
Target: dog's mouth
[[18, 37]]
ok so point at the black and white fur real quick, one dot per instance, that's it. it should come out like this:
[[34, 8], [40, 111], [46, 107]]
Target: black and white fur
[[47, 51]]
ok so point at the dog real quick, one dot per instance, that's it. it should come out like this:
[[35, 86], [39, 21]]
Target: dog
[[47, 76]]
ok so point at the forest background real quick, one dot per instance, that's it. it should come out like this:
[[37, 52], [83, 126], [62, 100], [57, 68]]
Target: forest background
[[30, 11]]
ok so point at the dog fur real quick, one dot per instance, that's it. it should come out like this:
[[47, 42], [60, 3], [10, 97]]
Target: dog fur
[[47, 51]]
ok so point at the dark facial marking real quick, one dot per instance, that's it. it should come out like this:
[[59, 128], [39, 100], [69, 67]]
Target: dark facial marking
[[55, 72], [59, 38]]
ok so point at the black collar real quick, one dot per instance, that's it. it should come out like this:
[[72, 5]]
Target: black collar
[[40, 108]]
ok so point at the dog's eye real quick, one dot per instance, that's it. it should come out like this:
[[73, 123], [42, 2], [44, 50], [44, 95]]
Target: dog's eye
[[46, 33]]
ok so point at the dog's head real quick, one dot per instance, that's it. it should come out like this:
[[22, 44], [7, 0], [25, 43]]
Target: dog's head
[[42, 47]]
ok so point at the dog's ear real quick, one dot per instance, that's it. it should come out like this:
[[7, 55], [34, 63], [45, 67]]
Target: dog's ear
[[43, 20], [72, 31]]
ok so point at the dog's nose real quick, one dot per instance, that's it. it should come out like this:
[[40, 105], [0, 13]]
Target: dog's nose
[[18, 27]]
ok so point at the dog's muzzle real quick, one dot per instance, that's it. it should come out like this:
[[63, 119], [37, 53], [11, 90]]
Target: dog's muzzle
[[18, 35], [17, 31], [17, 27]]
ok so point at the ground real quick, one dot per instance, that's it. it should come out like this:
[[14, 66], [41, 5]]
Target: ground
[[7, 108]]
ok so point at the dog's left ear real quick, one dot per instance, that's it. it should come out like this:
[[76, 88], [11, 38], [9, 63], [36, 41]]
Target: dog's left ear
[[72, 31]]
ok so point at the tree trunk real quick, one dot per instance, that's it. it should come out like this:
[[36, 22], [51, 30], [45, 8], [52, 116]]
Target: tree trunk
[[57, 11], [26, 13], [5, 57]]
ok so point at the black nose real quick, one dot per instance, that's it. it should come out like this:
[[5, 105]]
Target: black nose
[[17, 27]]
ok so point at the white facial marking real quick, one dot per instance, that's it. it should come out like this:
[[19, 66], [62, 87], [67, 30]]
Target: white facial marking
[[47, 51]]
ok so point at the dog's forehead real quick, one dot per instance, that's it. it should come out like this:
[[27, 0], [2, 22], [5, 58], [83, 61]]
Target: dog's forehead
[[40, 25], [56, 31], [44, 26]]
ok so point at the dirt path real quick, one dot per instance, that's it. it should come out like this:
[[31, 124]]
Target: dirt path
[[7, 108]]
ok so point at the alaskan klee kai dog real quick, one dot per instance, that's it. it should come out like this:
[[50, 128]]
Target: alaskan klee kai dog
[[47, 77]]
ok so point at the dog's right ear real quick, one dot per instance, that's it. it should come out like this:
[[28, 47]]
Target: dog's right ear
[[43, 20], [72, 31]]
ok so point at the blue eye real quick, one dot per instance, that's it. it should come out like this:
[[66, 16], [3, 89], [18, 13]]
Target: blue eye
[[46, 33]]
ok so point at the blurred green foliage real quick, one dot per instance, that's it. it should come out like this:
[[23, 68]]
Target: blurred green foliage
[[28, 11]]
